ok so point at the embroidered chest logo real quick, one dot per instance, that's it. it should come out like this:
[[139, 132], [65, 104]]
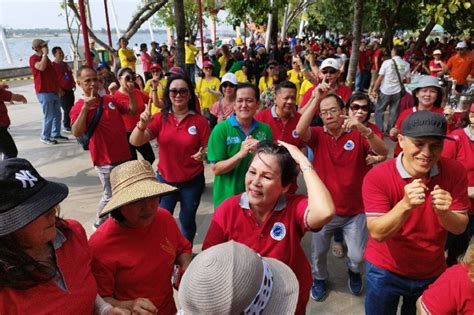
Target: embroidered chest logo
[[26, 178], [192, 130], [294, 134], [278, 231], [349, 146], [111, 105]]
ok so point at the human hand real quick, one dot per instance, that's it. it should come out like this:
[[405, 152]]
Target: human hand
[[145, 116], [415, 193], [353, 123], [18, 98], [393, 132], [154, 84], [248, 146], [297, 155], [45, 50], [371, 159], [143, 306], [321, 91], [200, 155], [117, 311], [440, 199], [113, 87], [373, 93], [129, 87]]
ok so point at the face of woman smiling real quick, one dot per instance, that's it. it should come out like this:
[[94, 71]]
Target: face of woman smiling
[[263, 181], [427, 96]]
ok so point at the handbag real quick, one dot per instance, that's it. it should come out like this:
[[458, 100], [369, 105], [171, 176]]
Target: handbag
[[86, 137], [402, 91]]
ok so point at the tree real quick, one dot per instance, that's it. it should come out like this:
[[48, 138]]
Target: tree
[[357, 34], [180, 32], [72, 21]]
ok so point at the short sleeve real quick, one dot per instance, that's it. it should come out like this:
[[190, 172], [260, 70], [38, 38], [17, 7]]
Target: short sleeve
[[314, 138], [120, 103], [216, 149], [383, 68], [459, 185], [104, 276], [204, 131], [450, 148], [300, 204], [376, 200], [216, 233], [5, 96], [75, 110]]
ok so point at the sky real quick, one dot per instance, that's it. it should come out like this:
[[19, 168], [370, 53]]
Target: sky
[[24, 14]]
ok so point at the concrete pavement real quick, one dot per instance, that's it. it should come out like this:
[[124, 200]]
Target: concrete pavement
[[68, 163]]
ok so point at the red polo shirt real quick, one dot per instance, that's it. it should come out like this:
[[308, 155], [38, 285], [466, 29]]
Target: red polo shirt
[[340, 163], [5, 96], [462, 150], [73, 258], [64, 75], [45, 81], [278, 237], [178, 141], [451, 293], [108, 144], [416, 251], [280, 131], [343, 91], [130, 121]]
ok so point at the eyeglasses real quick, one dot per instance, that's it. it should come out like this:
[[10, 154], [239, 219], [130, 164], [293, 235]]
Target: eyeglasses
[[329, 112], [181, 92], [226, 85], [328, 71], [356, 107]]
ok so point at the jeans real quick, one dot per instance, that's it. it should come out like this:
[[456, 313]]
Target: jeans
[[104, 175], [362, 81], [67, 101], [7, 145], [189, 197], [384, 289], [51, 106], [383, 101], [190, 69], [354, 230]]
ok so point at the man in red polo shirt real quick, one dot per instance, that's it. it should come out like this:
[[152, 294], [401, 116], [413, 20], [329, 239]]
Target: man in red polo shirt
[[340, 148], [48, 92], [108, 143], [411, 202]]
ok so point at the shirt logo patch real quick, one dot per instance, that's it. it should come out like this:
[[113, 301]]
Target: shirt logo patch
[[294, 134], [25, 177], [111, 105], [192, 130], [232, 140], [278, 231], [349, 146]]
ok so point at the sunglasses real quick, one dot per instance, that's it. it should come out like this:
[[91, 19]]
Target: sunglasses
[[128, 77], [226, 85], [181, 92], [271, 68], [328, 71], [208, 68], [356, 107]]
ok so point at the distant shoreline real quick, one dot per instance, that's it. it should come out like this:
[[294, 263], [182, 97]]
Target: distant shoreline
[[46, 32]]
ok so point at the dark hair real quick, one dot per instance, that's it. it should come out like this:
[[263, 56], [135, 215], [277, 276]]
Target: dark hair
[[339, 100], [282, 75], [55, 49], [166, 94], [289, 168], [249, 66], [437, 102], [121, 71], [82, 68], [285, 85], [398, 50], [20, 271], [357, 96], [143, 46], [117, 215], [248, 85]]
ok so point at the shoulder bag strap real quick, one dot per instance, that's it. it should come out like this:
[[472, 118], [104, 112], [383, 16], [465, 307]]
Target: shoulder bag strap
[[95, 121], [398, 75]]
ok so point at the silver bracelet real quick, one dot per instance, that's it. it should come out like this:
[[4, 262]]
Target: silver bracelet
[[306, 168]]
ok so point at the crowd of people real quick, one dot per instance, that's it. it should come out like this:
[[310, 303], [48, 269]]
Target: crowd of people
[[261, 119]]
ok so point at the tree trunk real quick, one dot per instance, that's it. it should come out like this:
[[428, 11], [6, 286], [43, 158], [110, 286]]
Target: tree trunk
[[274, 31], [356, 34], [391, 21], [424, 34], [180, 32]]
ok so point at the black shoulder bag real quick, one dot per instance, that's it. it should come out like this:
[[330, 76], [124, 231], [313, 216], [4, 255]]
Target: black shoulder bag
[[86, 137], [402, 91]]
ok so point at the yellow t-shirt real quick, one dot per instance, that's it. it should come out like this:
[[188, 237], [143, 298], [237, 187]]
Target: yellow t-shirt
[[295, 78], [241, 76], [159, 92], [123, 54], [223, 63], [190, 52], [264, 85], [205, 98], [305, 86]]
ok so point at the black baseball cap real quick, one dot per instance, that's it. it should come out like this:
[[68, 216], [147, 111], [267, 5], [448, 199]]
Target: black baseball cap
[[25, 195], [425, 124]]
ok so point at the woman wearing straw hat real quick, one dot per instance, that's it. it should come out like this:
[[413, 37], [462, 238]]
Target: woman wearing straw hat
[[231, 278], [45, 262], [182, 137], [427, 95], [269, 221], [135, 250]]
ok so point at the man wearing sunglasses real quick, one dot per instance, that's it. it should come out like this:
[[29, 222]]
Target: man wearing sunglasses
[[459, 66], [341, 148], [329, 73]]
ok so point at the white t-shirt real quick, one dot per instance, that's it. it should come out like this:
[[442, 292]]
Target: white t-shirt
[[390, 84]]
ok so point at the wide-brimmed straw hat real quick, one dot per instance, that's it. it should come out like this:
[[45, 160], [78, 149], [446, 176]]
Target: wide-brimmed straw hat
[[231, 278], [25, 195], [133, 181]]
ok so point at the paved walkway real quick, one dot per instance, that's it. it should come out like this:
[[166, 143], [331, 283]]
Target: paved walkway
[[69, 164]]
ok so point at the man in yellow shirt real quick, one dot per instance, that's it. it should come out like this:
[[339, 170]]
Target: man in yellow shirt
[[190, 52], [126, 55]]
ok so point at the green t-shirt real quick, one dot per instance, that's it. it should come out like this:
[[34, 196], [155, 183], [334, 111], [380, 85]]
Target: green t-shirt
[[224, 142]]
